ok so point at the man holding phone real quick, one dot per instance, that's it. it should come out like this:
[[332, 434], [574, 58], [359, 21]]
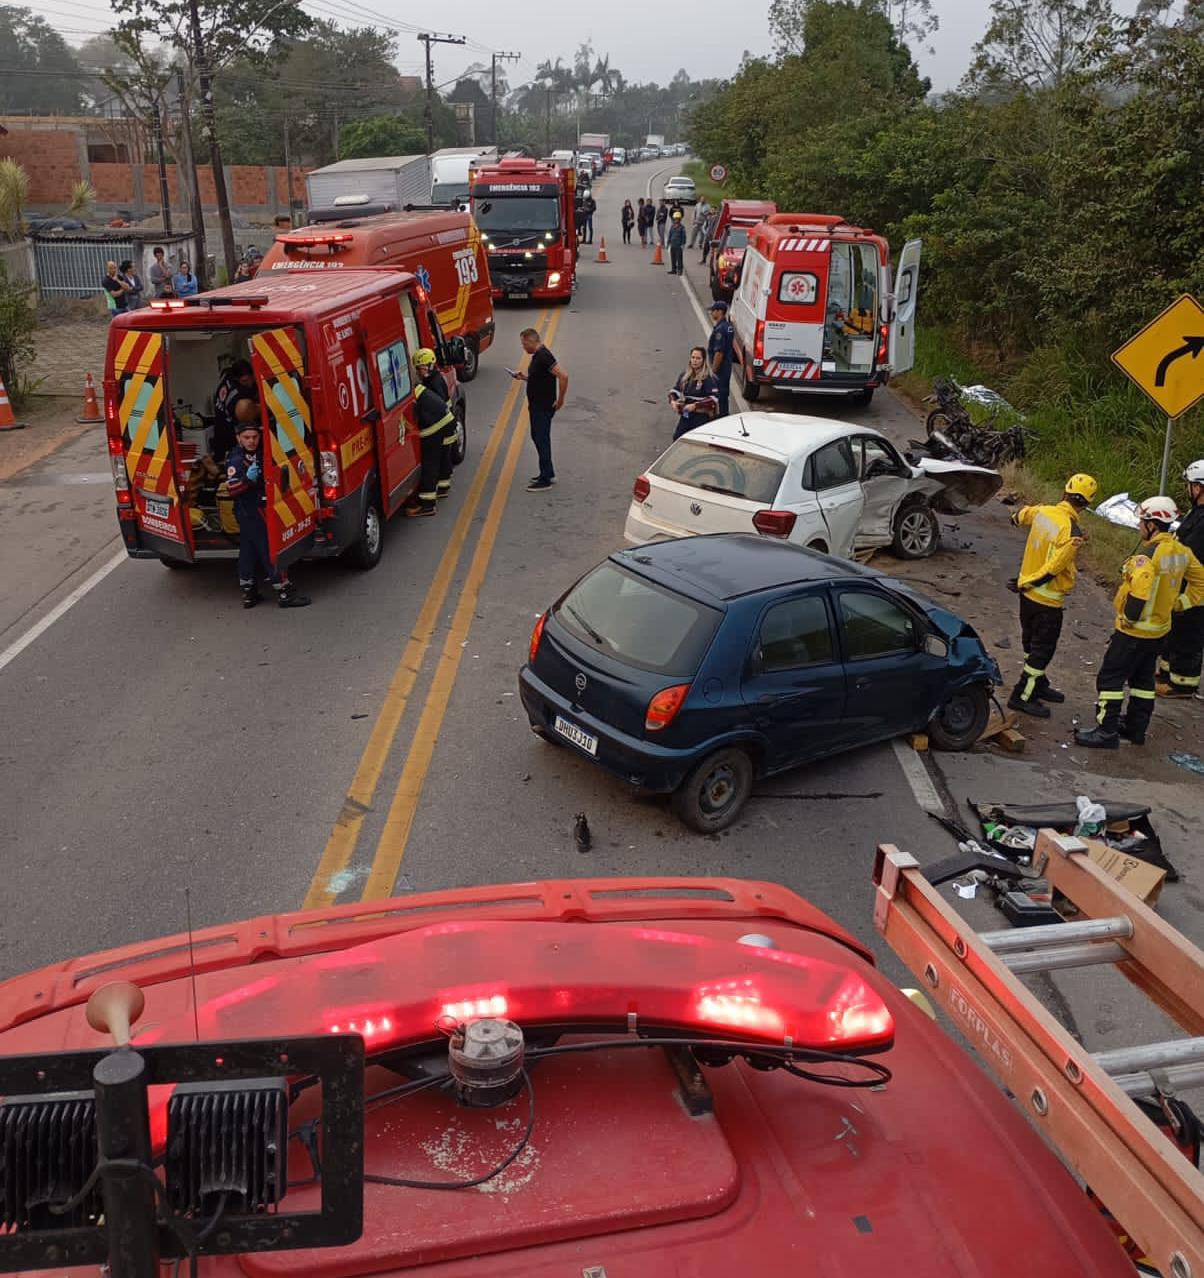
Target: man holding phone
[[547, 384]]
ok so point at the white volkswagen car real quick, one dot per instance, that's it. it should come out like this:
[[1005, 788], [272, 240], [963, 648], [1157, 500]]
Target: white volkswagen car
[[828, 485]]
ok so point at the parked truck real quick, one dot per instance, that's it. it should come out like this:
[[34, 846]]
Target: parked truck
[[599, 142], [381, 183], [450, 169]]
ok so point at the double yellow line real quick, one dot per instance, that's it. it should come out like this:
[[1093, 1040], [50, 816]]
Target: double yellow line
[[340, 847]]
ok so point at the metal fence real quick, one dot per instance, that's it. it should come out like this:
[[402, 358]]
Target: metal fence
[[75, 267]]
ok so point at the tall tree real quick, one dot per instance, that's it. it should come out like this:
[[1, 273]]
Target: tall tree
[[41, 75], [1033, 44]]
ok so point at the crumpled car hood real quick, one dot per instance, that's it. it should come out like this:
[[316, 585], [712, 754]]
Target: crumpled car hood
[[955, 487]]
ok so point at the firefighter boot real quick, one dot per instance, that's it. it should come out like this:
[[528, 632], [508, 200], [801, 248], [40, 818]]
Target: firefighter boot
[[1026, 694], [250, 594], [288, 596], [1104, 736], [1098, 738], [1137, 716], [1046, 692]]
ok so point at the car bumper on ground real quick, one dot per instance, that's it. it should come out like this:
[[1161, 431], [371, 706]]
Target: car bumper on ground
[[637, 762]]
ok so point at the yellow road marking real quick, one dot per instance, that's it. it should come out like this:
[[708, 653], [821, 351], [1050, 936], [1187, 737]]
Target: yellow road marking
[[392, 846], [340, 847]]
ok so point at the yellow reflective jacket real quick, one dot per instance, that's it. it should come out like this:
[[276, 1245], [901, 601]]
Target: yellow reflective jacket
[[1047, 571], [1162, 578]]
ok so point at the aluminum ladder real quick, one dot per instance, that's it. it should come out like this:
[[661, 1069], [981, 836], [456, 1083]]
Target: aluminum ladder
[[1080, 1100]]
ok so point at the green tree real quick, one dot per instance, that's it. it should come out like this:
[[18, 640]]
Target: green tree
[[41, 75], [1035, 44], [381, 135]]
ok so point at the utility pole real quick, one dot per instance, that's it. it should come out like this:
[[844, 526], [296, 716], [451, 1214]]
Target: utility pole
[[209, 126], [497, 57], [164, 193], [196, 210], [428, 38], [288, 172]]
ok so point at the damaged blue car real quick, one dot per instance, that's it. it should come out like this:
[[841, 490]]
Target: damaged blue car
[[693, 667]]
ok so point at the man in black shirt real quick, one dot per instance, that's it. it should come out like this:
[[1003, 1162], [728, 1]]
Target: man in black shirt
[[547, 383]]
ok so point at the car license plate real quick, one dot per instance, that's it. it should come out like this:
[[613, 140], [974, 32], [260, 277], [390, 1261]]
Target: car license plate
[[158, 509], [518, 293], [578, 736]]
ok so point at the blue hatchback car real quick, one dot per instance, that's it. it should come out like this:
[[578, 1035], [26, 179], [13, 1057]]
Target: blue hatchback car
[[694, 666]]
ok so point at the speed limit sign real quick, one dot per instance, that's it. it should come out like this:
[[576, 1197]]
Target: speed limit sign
[[718, 173]]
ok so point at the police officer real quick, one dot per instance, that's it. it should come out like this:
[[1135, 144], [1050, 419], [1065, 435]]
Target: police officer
[[244, 481], [1047, 575], [1151, 587], [435, 420], [434, 382], [719, 352], [1183, 657]]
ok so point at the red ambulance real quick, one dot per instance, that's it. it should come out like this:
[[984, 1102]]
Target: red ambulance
[[818, 309], [729, 239], [331, 354], [441, 248]]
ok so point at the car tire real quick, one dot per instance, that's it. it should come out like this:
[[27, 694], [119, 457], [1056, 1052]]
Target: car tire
[[472, 360], [175, 564], [370, 545], [749, 388], [862, 398], [715, 791], [917, 533], [460, 447], [959, 723]]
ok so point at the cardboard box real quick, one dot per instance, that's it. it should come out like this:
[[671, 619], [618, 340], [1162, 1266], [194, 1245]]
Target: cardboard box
[[1140, 877]]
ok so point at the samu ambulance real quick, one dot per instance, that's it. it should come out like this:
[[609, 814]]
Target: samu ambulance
[[817, 308]]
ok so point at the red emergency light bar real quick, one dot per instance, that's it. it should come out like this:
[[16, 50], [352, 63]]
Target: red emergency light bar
[[180, 303], [407, 990], [292, 239]]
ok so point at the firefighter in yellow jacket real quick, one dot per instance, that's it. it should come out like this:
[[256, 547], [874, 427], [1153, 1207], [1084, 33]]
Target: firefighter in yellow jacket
[[1161, 579], [1047, 575]]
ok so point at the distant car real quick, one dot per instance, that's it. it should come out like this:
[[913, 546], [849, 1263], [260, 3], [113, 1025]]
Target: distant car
[[692, 667], [828, 485], [681, 190]]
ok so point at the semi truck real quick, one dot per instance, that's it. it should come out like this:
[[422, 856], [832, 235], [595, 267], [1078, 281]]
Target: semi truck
[[380, 183], [450, 169]]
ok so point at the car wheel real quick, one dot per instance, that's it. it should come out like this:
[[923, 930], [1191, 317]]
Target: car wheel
[[175, 564], [917, 533], [472, 360], [961, 720], [862, 398], [460, 447], [715, 791], [750, 389], [370, 545]]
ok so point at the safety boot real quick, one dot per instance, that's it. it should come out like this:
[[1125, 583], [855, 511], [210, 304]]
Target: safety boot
[[1097, 738], [250, 594], [1046, 692], [1033, 706], [1134, 735], [288, 596], [1176, 691]]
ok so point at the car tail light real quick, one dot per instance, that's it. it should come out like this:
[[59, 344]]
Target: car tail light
[[329, 461], [759, 342], [121, 480], [536, 636], [774, 523], [663, 708], [883, 343], [641, 488]]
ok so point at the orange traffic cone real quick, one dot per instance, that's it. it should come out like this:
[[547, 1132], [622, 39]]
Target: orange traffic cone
[[7, 420], [658, 258], [91, 409], [602, 250]]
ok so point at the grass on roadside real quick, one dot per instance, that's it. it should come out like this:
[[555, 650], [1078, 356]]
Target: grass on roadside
[[697, 170]]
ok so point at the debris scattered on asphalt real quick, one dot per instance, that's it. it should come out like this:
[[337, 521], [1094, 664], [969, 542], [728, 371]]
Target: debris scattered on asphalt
[[1003, 643], [1192, 762], [1009, 498], [581, 835], [359, 716]]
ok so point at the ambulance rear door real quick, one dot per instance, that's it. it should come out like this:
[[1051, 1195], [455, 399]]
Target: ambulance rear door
[[903, 324], [793, 339], [389, 350], [289, 453], [139, 366]]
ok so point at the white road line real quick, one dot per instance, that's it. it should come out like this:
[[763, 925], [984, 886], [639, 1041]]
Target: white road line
[[917, 776], [18, 646]]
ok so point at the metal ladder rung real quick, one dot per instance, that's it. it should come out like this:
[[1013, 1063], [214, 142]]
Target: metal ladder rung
[[1013, 940], [1053, 957], [1177, 1051], [1173, 1079]]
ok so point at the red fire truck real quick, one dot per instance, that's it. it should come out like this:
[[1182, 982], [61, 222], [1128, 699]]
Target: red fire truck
[[816, 308], [524, 209], [330, 351]]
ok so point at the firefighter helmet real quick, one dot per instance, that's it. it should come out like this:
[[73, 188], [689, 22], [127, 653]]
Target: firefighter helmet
[[1083, 486], [424, 357], [1194, 474], [1160, 510]]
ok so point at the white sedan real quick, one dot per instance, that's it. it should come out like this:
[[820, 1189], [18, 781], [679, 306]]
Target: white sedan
[[681, 190], [828, 485]]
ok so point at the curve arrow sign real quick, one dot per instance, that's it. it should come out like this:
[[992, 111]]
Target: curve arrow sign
[[1191, 346]]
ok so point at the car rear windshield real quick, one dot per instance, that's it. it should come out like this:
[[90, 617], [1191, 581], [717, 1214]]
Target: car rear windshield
[[717, 469], [638, 622]]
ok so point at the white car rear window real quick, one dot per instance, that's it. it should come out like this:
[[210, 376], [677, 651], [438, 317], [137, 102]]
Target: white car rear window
[[717, 469]]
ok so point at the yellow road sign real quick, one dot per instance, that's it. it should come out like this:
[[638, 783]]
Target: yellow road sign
[[1166, 359]]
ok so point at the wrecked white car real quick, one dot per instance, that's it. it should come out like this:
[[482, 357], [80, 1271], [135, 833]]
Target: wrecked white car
[[828, 485]]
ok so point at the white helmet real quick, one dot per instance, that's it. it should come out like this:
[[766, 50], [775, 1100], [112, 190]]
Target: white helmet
[[1194, 474], [1160, 509]]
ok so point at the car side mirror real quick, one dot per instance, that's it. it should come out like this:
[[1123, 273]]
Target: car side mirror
[[935, 646]]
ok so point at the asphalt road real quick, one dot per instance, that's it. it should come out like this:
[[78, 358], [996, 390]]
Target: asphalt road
[[159, 737]]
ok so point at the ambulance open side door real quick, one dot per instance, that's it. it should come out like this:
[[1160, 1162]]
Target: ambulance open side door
[[289, 454], [903, 322]]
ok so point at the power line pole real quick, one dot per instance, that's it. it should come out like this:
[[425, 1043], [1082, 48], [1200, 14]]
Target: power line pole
[[428, 38], [497, 57], [196, 210], [164, 193], [209, 126], [288, 172]]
